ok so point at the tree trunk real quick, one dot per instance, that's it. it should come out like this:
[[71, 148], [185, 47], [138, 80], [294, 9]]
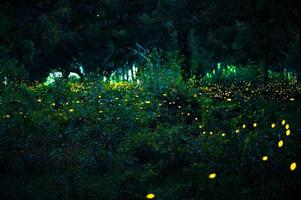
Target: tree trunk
[[267, 59], [299, 40], [299, 67], [183, 43]]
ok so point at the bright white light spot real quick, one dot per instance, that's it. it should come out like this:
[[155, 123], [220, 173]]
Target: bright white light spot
[[73, 75]]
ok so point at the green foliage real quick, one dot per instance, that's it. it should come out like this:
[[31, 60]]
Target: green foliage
[[12, 70], [238, 74], [100, 140], [161, 71], [44, 35]]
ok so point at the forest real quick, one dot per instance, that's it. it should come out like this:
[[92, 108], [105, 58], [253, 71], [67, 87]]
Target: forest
[[150, 99]]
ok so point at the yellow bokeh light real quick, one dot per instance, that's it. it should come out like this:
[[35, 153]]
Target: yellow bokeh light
[[288, 132], [237, 131], [212, 176], [150, 196], [265, 158], [223, 134], [283, 122], [280, 143], [293, 166], [287, 126], [71, 110], [244, 126], [273, 125], [255, 125]]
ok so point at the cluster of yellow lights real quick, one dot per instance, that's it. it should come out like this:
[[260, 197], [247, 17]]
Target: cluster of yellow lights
[[277, 91], [287, 126], [280, 144]]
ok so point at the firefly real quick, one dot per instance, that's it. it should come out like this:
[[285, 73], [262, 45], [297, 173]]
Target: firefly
[[212, 176], [288, 132], [150, 196], [265, 158], [280, 143], [293, 166]]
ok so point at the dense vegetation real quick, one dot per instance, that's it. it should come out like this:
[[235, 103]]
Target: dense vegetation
[[39, 35], [164, 136], [150, 99]]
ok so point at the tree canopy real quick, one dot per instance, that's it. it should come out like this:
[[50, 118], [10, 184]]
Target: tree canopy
[[39, 35]]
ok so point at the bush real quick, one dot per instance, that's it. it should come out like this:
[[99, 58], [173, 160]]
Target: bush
[[100, 140]]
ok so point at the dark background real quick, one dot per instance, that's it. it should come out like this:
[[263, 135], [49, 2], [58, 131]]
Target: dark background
[[39, 35]]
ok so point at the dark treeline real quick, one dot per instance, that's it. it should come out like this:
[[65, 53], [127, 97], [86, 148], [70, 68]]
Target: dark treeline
[[39, 35]]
